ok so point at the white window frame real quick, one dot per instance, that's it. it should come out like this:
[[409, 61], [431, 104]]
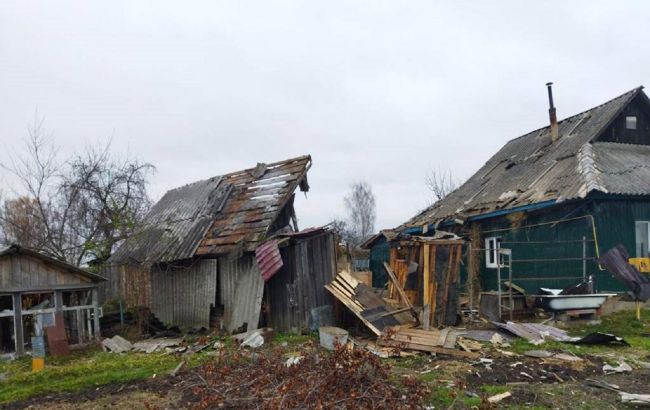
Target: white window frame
[[647, 240], [633, 122], [492, 257]]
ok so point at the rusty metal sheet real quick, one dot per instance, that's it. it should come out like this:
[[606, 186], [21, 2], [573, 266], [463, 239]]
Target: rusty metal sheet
[[268, 259]]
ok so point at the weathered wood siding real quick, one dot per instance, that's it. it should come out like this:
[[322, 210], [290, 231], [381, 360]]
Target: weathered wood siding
[[299, 286], [183, 296], [22, 272], [131, 283]]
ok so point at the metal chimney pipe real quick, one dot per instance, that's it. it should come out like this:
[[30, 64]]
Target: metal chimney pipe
[[551, 113]]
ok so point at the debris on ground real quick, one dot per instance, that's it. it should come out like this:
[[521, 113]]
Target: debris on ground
[[468, 345], [153, 345], [293, 360], [630, 398], [536, 333], [567, 357], [599, 338], [331, 336], [116, 344], [346, 378], [433, 341], [635, 398], [366, 305], [178, 368], [254, 338], [498, 397], [622, 367], [540, 354]]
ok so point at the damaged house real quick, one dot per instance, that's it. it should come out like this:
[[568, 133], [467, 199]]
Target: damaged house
[[193, 263], [557, 198]]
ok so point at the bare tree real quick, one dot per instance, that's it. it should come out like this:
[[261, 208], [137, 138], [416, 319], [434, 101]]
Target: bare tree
[[440, 182], [81, 207], [360, 204]]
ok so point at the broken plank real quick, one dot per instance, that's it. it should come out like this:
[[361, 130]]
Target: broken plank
[[429, 348]]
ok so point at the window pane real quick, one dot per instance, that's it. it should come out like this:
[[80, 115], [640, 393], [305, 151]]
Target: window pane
[[642, 235], [630, 122]]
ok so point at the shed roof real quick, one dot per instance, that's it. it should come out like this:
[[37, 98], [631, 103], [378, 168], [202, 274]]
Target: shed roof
[[531, 169], [13, 249], [216, 215]]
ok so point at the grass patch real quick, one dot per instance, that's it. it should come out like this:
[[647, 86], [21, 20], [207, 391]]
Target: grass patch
[[294, 339], [83, 370]]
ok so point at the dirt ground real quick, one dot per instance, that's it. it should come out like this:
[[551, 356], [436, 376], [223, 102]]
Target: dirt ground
[[461, 379]]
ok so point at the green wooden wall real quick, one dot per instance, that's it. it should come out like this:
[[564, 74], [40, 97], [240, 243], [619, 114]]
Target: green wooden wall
[[379, 254], [558, 232]]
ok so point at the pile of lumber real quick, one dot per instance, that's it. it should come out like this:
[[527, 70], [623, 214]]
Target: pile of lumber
[[433, 341], [371, 309]]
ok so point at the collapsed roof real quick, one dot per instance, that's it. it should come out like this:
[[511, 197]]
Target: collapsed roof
[[217, 215], [532, 168]]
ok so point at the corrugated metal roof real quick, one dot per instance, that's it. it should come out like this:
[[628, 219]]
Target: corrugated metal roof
[[268, 259], [215, 215], [532, 169], [175, 225]]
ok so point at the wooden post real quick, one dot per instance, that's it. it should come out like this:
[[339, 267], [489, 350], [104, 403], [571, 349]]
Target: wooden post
[[638, 310], [18, 325], [426, 272], [96, 329]]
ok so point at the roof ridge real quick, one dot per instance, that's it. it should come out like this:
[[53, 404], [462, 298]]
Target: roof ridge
[[223, 176], [633, 91]]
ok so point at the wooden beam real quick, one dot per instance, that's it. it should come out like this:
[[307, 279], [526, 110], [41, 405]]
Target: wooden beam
[[401, 292]]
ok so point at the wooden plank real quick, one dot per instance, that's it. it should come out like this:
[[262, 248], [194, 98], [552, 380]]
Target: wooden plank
[[346, 302], [401, 292], [429, 348]]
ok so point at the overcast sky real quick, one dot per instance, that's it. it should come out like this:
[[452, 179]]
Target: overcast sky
[[375, 91]]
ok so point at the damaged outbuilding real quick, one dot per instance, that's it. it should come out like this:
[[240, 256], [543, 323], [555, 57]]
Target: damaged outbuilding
[[41, 295], [194, 264]]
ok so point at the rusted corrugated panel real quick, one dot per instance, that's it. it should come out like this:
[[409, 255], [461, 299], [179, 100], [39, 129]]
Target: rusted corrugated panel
[[268, 259], [183, 296], [258, 195], [243, 304], [530, 169]]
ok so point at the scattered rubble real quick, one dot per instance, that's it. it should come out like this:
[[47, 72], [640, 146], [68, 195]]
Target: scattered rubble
[[116, 344], [153, 345], [498, 397], [346, 378], [622, 367], [331, 336]]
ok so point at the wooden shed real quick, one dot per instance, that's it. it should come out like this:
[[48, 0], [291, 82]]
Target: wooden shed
[[37, 291], [427, 268]]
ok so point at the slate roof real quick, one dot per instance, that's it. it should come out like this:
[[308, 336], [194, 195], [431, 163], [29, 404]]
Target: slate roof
[[216, 215], [531, 169]]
